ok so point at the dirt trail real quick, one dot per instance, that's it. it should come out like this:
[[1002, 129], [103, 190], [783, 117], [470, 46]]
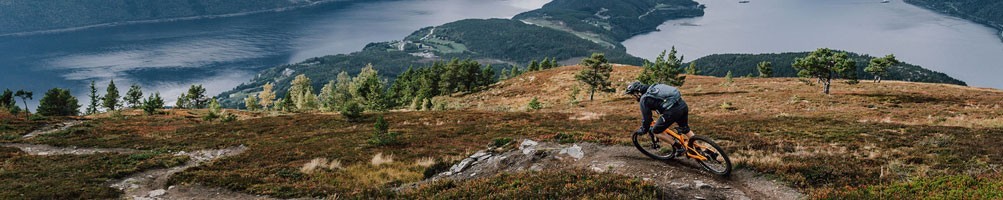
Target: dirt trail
[[152, 184], [43, 150], [52, 128], [679, 179]]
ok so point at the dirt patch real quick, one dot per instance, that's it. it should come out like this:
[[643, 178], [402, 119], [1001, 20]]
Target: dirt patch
[[43, 150], [679, 179], [585, 115], [152, 184]]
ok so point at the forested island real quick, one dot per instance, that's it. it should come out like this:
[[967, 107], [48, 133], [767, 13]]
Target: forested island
[[745, 64]]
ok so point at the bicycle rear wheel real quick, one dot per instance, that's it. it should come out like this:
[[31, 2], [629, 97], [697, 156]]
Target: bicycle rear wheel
[[651, 147], [717, 159]]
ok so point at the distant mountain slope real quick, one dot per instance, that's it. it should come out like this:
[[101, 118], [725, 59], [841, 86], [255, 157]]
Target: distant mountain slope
[[743, 64], [40, 15], [613, 21], [988, 12]]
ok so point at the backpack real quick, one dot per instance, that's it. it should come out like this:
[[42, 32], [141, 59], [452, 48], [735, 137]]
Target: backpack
[[668, 94]]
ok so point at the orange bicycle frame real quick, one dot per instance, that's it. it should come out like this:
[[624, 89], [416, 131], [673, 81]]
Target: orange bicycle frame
[[690, 151]]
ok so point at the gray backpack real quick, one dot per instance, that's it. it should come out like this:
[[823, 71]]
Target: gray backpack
[[668, 94]]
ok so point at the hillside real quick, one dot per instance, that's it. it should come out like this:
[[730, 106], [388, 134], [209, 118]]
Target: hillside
[[774, 128], [501, 42], [744, 64], [610, 21], [867, 140], [879, 139], [32, 15], [987, 12]]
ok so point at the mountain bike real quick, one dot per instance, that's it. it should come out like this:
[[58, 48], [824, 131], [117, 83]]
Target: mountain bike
[[702, 149]]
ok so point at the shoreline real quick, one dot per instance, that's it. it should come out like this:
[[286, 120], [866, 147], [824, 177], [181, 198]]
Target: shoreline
[[987, 23], [174, 19]]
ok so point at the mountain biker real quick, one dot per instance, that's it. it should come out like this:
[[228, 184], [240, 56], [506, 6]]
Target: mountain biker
[[668, 102]]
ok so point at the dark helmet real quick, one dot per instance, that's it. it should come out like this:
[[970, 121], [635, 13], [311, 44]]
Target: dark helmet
[[636, 88]]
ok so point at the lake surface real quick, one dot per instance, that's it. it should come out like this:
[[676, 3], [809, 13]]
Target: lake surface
[[222, 52], [967, 51]]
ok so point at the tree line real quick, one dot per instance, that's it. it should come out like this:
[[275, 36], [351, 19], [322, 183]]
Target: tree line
[[60, 102], [416, 87], [366, 91]]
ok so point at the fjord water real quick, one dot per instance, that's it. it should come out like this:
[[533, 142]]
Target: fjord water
[[220, 52], [967, 51]]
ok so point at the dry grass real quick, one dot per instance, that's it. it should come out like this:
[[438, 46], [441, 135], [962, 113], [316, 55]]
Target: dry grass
[[320, 163], [425, 162], [380, 159]]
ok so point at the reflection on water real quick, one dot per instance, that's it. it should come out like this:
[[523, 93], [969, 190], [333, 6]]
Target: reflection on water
[[221, 53], [970, 52]]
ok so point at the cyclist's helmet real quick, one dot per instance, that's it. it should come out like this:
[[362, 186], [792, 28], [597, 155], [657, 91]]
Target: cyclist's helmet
[[636, 88]]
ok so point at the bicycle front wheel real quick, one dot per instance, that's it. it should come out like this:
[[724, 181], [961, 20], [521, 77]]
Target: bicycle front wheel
[[717, 161], [651, 147]]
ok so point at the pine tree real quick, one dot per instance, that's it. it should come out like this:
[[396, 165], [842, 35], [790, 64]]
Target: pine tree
[[401, 91], [878, 67], [25, 96], [182, 102], [487, 76], [533, 66], [214, 107], [152, 103], [7, 102], [134, 96], [692, 69], [515, 72], [765, 69], [534, 104], [267, 96], [596, 74], [824, 65], [368, 89], [215, 111], [472, 77], [729, 78], [92, 108], [58, 102], [111, 97], [545, 64], [663, 70], [351, 111], [196, 98]]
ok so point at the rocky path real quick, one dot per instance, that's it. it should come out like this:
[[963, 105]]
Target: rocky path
[[680, 179], [52, 128], [150, 184], [43, 150]]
